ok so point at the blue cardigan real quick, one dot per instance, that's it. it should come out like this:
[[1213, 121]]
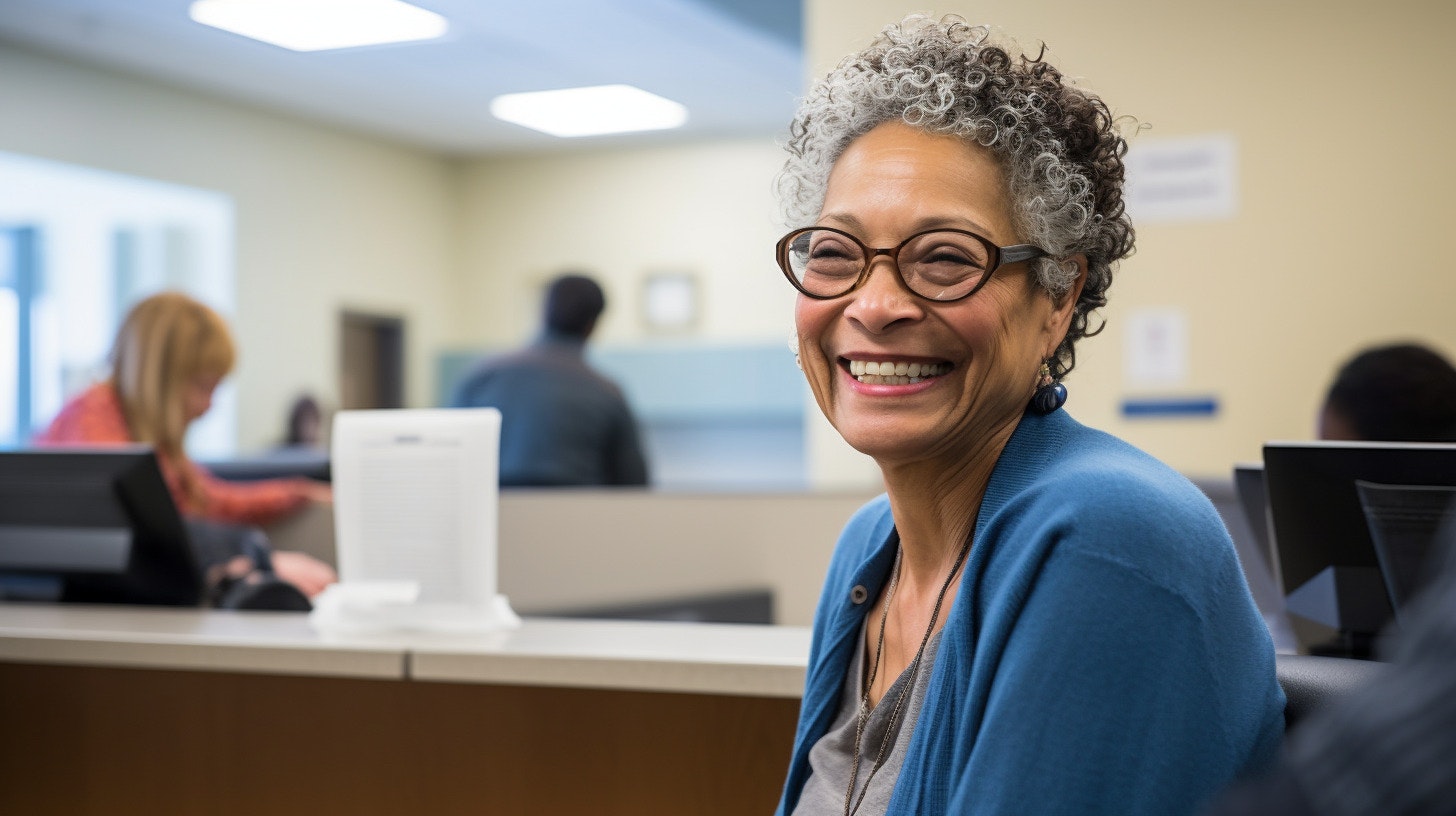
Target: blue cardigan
[[1103, 655]]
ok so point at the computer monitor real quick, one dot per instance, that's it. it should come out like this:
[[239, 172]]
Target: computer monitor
[[92, 525], [1327, 561]]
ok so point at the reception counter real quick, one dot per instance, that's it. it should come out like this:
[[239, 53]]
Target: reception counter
[[132, 710]]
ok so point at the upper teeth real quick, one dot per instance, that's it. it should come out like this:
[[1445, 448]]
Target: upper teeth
[[909, 371]]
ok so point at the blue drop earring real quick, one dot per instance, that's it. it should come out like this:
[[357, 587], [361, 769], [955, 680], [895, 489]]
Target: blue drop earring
[[1050, 394]]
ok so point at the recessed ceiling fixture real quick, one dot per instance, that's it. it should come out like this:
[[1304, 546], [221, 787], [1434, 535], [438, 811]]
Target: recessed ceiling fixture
[[589, 111], [320, 25]]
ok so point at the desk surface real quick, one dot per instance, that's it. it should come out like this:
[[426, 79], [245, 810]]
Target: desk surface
[[766, 661]]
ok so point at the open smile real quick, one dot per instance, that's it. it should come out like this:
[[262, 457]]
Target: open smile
[[893, 372]]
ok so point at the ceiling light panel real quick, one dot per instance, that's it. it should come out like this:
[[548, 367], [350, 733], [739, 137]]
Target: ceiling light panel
[[321, 25], [592, 111]]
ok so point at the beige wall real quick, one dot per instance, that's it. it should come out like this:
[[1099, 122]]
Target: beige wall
[[707, 210], [325, 219], [1341, 117]]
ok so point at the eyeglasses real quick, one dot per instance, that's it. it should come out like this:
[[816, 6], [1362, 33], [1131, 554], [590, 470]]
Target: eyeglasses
[[940, 265]]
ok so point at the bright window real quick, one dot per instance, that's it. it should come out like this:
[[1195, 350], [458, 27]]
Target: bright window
[[77, 248]]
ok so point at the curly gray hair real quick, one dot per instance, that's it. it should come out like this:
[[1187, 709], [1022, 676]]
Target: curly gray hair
[[1059, 145]]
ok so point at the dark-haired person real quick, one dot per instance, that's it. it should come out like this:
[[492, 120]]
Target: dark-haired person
[[562, 423], [1404, 392], [304, 430], [1036, 618]]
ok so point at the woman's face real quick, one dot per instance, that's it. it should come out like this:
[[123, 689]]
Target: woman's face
[[197, 395], [984, 352]]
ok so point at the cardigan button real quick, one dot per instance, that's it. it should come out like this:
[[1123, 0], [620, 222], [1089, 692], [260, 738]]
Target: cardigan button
[[859, 594]]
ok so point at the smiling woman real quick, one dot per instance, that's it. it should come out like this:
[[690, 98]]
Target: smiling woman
[[1036, 617]]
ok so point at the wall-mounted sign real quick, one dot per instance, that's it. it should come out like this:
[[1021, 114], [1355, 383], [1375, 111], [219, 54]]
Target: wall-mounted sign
[[1189, 179], [1155, 348]]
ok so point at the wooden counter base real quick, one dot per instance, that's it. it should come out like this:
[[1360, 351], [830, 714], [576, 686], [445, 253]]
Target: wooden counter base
[[84, 740]]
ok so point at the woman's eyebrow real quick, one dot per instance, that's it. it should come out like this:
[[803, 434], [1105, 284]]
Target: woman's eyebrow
[[845, 220], [851, 223]]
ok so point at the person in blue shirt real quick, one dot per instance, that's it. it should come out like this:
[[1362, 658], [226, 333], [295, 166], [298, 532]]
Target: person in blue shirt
[[1036, 617], [562, 423]]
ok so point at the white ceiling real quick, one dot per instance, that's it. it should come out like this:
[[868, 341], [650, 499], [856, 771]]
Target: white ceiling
[[736, 64]]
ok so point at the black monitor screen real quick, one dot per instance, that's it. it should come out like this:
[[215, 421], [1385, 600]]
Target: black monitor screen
[[93, 525], [1318, 518]]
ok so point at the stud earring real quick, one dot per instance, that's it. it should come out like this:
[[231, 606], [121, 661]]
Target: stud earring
[[794, 347], [1050, 394]]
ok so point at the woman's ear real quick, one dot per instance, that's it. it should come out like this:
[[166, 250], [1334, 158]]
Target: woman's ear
[[1059, 320]]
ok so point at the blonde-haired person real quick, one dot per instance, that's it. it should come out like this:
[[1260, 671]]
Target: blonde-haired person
[[168, 357]]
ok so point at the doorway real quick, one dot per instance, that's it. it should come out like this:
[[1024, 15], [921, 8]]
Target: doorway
[[371, 365]]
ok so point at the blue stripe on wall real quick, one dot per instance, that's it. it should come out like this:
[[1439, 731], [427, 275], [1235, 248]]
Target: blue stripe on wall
[[1173, 407]]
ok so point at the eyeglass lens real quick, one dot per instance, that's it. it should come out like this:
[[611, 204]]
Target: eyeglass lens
[[939, 265]]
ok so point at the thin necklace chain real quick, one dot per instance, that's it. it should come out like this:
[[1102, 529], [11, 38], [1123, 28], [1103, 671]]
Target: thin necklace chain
[[851, 805]]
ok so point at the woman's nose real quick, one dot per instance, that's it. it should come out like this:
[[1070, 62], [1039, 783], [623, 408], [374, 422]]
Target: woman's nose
[[883, 300]]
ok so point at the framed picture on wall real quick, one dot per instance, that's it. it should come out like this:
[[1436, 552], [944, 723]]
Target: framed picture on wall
[[670, 301]]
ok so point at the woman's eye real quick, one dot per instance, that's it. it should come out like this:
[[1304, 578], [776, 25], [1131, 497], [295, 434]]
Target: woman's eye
[[948, 257], [830, 250], [951, 255]]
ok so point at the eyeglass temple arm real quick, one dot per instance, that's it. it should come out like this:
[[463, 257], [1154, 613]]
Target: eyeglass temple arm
[[1021, 252]]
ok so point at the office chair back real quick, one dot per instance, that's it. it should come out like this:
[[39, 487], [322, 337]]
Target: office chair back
[[1311, 682], [1404, 522]]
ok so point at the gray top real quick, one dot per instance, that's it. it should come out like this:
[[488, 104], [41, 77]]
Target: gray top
[[833, 755]]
